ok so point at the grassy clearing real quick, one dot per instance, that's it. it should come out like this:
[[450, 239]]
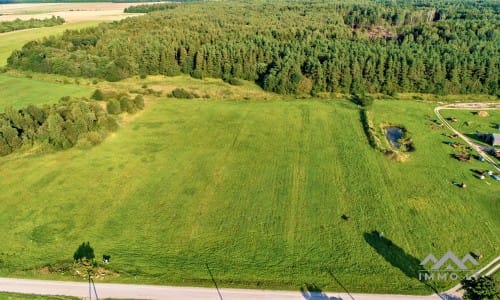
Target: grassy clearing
[[21, 91], [15, 296], [468, 122], [254, 189]]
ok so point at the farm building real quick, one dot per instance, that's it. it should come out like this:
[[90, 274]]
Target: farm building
[[490, 138]]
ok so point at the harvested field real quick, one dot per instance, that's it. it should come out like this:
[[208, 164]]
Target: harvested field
[[71, 12]]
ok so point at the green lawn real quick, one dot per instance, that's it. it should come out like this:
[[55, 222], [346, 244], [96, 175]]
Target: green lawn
[[469, 122], [15, 296], [19, 91], [254, 189]]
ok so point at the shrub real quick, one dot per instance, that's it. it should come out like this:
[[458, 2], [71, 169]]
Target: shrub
[[97, 95], [362, 100], [89, 139], [197, 74], [182, 94], [113, 107], [139, 102], [235, 81], [125, 104]]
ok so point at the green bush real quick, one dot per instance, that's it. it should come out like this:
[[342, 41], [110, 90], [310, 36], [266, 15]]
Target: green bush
[[113, 107], [98, 95], [182, 94], [197, 74], [362, 100], [139, 102], [235, 81]]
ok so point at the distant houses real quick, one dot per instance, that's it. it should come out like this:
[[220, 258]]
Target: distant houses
[[491, 138]]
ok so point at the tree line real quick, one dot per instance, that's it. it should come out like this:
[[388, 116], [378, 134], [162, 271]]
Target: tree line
[[19, 24], [292, 47], [64, 124], [147, 8]]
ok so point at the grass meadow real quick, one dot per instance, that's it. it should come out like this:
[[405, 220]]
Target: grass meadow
[[21, 91], [16, 296], [468, 122], [254, 189]]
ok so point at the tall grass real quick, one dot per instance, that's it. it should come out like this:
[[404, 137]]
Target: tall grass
[[254, 189]]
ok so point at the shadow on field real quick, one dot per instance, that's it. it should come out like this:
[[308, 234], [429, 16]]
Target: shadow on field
[[397, 257], [313, 292], [393, 254], [449, 297]]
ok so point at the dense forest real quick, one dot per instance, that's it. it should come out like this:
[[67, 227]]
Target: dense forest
[[31, 23], [64, 124], [292, 47]]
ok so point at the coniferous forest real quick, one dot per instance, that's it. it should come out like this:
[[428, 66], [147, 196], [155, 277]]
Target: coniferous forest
[[292, 47]]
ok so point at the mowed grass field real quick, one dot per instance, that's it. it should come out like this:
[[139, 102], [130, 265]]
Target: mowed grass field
[[468, 122], [21, 91], [254, 189]]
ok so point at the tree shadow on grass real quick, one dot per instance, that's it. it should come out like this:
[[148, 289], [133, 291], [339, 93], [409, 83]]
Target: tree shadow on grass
[[476, 138], [313, 292], [396, 256]]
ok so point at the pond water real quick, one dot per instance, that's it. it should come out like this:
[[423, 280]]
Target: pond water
[[393, 134]]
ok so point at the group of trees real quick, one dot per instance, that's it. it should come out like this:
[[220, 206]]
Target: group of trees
[[59, 126], [19, 24], [147, 8], [292, 47]]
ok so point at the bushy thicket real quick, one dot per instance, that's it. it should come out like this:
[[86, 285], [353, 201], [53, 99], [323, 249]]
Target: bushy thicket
[[183, 94], [293, 47], [19, 24], [60, 126]]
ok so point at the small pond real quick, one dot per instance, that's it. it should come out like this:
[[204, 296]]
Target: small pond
[[393, 134]]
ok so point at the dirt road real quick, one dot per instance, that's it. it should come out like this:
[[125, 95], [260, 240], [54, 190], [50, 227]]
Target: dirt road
[[469, 106]]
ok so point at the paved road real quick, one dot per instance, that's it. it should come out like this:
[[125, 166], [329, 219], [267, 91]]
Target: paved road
[[469, 106], [130, 291]]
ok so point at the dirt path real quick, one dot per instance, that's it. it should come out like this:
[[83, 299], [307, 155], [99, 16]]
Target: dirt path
[[135, 291], [469, 106]]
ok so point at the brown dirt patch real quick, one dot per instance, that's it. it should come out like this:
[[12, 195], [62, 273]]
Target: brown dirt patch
[[71, 12]]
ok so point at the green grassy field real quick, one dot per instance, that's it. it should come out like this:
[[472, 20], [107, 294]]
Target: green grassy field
[[21, 91], [254, 189], [468, 122], [15, 296]]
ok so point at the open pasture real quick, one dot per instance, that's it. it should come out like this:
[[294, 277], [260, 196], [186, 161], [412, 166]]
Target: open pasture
[[256, 190], [21, 91]]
